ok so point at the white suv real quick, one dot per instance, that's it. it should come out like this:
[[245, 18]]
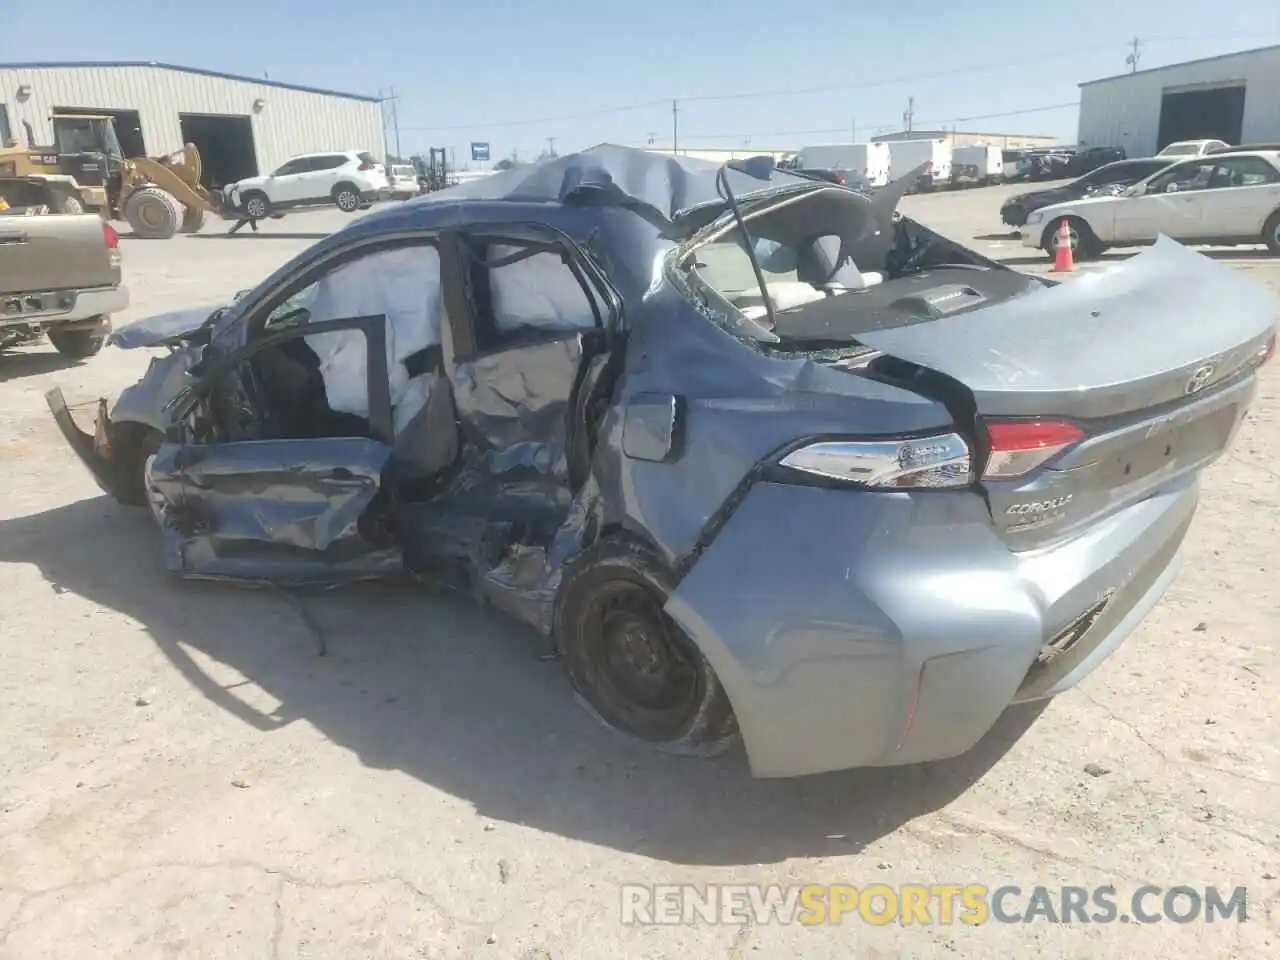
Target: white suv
[[347, 178]]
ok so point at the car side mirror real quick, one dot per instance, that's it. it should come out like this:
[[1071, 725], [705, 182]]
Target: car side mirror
[[1171, 188]]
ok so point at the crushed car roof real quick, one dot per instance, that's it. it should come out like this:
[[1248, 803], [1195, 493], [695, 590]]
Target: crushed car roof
[[654, 183]]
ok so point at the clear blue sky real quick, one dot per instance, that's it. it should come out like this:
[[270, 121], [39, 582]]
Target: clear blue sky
[[515, 73]]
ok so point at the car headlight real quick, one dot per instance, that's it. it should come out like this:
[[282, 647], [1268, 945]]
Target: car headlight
[[937, 462]]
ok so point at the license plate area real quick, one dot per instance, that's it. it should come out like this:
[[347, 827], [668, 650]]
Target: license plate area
[[1169, 445]]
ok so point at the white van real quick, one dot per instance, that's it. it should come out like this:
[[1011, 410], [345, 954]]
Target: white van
[[977, 165], [906, 155], [868, 160]]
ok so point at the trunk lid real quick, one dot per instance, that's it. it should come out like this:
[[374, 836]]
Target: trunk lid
[[1130, 378], [58, 252], [1125, 339]]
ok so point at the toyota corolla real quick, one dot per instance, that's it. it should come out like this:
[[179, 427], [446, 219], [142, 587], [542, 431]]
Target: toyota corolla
[[760, 456]]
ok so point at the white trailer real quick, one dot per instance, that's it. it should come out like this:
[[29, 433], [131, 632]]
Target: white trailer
[[906, 155], [977, 165], [869, 160]]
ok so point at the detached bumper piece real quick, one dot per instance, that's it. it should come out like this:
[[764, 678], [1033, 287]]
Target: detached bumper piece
[[93, 450]]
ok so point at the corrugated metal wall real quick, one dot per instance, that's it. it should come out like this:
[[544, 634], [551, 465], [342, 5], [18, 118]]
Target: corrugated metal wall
[[290, 121], [1125, 111]]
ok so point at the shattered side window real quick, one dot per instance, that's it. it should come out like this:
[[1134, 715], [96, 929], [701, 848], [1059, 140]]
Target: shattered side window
[[536, 292]]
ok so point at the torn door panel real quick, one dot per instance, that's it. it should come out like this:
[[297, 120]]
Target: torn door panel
[[514, 406], [277, 510]]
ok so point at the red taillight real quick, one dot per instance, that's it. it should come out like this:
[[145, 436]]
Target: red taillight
[[1019, 446], [366, 166], [110, 236]]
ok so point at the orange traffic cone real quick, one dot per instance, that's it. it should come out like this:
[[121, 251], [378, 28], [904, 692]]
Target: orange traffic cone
[[1063, 260]]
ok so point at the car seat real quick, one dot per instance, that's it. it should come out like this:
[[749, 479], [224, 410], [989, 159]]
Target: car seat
[[822, 265]]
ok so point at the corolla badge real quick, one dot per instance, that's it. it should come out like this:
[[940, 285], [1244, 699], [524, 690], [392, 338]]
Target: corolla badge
[[1200, 378], [1035, 507]]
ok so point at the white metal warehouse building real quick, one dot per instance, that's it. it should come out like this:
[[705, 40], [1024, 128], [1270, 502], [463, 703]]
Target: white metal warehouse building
[[1234, 97], [243, 126]]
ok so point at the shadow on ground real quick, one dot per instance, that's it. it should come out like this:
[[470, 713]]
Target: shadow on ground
[[32, 361], [246, 234], [239, 235], [455, 696]]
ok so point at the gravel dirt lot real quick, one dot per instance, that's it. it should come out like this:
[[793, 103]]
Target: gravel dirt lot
[[183, 775]]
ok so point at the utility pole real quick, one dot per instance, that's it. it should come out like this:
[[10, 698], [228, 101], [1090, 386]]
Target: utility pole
[[389, 98], [910, 115], [551, 146], [395, 121], [675, 127], [853, 130], [1132, 59]]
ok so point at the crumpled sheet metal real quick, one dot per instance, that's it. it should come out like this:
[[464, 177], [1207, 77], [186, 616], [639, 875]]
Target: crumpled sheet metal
[[653, 183], [507, 398], [737, 408], [153, 331], [260, 511], [510, 488]]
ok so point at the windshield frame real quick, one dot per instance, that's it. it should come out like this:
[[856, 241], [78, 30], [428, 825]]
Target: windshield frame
[[710, 301], [752, 205]]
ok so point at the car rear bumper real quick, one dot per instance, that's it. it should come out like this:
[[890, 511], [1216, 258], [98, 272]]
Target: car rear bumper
[[905, 636], [94, 450], [86, 305]]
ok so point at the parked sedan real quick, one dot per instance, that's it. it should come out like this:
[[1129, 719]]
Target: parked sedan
[[1192, 148], [1223, 199], [770, 494], [1122, 173]]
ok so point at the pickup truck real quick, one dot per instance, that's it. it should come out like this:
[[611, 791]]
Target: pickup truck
[[59, 276]]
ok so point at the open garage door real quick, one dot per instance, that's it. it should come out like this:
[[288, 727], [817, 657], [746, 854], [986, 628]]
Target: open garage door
[[128, 126], [1215, 113], [226, 146]]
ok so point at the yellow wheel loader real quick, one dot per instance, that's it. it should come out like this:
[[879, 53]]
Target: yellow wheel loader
[[85, 169]]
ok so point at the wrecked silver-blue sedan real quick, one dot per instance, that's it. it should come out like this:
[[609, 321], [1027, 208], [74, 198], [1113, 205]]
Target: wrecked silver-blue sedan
[[758, 454]]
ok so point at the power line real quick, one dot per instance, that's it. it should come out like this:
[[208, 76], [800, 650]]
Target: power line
[[987, 66], [919, 125], [605, 111]]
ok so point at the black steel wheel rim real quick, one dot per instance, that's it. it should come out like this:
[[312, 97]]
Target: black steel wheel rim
[[643, 671]]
